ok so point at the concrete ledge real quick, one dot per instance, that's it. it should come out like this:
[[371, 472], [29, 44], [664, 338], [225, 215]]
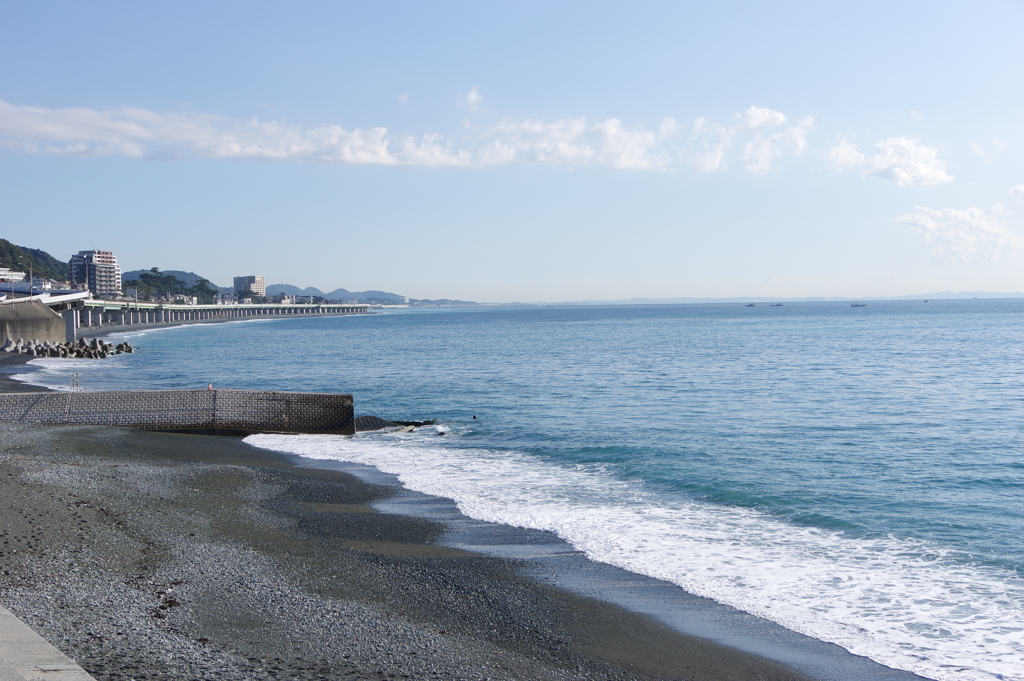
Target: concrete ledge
[[26, 656], [237, 411]]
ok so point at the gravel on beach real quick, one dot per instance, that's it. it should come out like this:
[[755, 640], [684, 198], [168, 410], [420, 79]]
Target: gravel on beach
[[167, 556]]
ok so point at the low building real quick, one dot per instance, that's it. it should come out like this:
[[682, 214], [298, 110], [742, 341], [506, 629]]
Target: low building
[[9, 275]]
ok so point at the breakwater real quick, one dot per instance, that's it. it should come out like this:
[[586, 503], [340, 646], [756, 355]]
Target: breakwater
[[208, 411], [83, 349]]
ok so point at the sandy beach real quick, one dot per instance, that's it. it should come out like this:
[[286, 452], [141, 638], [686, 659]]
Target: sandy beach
[[167, 556]]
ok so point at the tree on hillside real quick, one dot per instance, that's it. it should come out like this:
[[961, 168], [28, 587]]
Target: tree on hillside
[[256, 298], [204, 291], [40, 262], [153, 284]]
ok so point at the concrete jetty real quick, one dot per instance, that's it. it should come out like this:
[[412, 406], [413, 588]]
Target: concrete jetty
[[228, 412]]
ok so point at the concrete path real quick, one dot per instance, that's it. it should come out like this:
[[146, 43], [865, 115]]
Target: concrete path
[[26, 656]]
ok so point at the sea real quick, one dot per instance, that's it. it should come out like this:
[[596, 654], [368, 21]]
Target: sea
[[851, 474]]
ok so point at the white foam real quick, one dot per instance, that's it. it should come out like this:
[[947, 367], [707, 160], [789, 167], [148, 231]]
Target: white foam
[[905, 604]]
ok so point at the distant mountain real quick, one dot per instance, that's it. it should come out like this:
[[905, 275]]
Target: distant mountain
[[275, 289], [42, 264], [761, 299], [961, 294], [337, 294], [382, 297]]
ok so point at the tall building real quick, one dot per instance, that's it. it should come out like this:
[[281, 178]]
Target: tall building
[[98, 270], [256, 283]]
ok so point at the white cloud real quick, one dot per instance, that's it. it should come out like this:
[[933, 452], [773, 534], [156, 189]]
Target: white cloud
[[963, 235], [668, 128], [403, 98], [844, 156], [623, 147], [759, 152], [431, 151], [1018, 191], [757, 138], [904, 160], [138, 133], [712, 143], [559, 143], [756, 117], [990, 150], [575, 142], [909, 162], [473, 98]]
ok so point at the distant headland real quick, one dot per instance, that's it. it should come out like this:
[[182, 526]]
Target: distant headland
[[190, 284]]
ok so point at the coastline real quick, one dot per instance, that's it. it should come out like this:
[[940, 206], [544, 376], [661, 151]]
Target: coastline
[[545, 560], [162, 555], [9, 364]]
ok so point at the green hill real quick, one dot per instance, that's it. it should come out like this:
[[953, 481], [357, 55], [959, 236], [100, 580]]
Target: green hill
[[40, 262], [188, 278]]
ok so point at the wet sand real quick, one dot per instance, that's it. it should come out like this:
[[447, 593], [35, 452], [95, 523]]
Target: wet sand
[[165, 556]]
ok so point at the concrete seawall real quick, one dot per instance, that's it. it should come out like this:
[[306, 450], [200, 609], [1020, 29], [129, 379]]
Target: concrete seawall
[[211, 411], [31, 320]]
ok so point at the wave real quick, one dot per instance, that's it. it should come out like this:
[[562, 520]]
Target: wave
[[910, 605]]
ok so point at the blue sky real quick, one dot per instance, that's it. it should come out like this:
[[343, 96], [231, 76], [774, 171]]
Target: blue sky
[[524, 151]]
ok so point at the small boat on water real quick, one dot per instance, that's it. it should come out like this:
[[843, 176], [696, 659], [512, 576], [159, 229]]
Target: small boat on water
[[749, 305], [776, 305], [858, 304]]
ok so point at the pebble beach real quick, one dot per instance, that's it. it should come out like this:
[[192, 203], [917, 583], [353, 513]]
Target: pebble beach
[[147, 555]]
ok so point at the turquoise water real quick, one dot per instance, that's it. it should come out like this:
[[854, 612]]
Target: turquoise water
[[855, 474]]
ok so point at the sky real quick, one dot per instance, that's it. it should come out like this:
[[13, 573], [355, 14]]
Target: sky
[[524, 151]]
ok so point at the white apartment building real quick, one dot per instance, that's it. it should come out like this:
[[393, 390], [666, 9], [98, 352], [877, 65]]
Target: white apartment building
[[98, 271], [257, 283]]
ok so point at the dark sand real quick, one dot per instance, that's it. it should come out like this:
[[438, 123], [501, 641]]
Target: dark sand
[[164, 556]]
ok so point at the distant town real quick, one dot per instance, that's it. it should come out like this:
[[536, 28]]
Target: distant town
[[27, 272]]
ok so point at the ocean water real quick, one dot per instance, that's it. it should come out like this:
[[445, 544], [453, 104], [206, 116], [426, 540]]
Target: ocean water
[[853, 474]]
